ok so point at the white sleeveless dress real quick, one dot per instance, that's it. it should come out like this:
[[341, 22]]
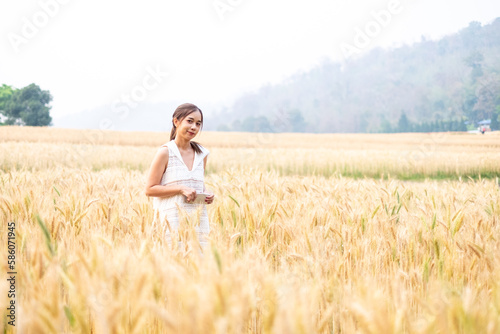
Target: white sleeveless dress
[[167, 208]]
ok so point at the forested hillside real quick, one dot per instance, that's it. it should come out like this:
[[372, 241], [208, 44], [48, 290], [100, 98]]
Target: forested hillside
[[446, 83]]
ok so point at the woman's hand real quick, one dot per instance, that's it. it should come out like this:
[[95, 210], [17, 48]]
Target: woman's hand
[[209, 199], [189, 193]]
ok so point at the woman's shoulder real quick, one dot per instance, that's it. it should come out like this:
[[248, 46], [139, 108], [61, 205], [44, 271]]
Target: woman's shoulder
[[168, 144], [164, 150]]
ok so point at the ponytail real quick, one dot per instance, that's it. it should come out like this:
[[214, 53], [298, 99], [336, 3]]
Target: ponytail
[[196, 147], [173, 131]]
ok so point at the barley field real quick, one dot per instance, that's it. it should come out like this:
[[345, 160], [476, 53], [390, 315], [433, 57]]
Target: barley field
[[368, 233]]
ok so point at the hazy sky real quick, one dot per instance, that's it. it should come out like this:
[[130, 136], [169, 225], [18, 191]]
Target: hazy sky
[[93, 53]]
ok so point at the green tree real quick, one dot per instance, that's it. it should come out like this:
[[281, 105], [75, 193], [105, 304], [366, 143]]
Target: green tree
[[5, 95], [462, 126], [28, 106], [474, 61], [385, 125], [495, 119], [256, 124], [236, 125], [469, 101], [440, 126], [223, 127], [403, 123], [447, 125], [435, 126], [471, 36], [297, 121]]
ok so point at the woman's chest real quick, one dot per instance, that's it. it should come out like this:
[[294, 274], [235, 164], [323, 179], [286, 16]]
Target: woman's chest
[[177, 171]]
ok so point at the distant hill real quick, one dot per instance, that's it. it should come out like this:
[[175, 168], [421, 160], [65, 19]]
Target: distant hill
[[144, 117], [455, 78]]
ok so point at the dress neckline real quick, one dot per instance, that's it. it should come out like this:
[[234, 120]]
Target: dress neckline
[[177, 152]]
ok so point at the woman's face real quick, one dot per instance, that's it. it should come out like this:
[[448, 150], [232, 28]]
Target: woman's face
[[190, 126]]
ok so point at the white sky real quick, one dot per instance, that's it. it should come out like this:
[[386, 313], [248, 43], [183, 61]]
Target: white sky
[[88, 53]]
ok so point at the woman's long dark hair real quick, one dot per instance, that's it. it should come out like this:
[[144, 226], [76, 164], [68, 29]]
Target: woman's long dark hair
[[180, 113]]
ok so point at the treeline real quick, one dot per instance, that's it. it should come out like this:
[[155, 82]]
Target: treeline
[[25, 106], [281, 121], [435, 83], [405, 125], [294, 122]]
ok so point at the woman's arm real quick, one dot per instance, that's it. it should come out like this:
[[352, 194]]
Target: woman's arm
[[153, 186]]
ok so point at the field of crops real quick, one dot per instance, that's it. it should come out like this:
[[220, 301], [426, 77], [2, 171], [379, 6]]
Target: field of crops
[[364, 233]]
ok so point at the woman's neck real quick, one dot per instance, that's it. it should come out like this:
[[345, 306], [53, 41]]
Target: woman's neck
[[182, 144]]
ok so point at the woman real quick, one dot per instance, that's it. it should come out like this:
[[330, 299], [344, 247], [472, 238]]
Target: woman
[[177, 174]]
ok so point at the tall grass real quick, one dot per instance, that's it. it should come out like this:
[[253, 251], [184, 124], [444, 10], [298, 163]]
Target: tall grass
[[289, 252], [401, 156]]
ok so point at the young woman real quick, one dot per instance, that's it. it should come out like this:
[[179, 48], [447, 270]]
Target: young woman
[[177, 174]]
